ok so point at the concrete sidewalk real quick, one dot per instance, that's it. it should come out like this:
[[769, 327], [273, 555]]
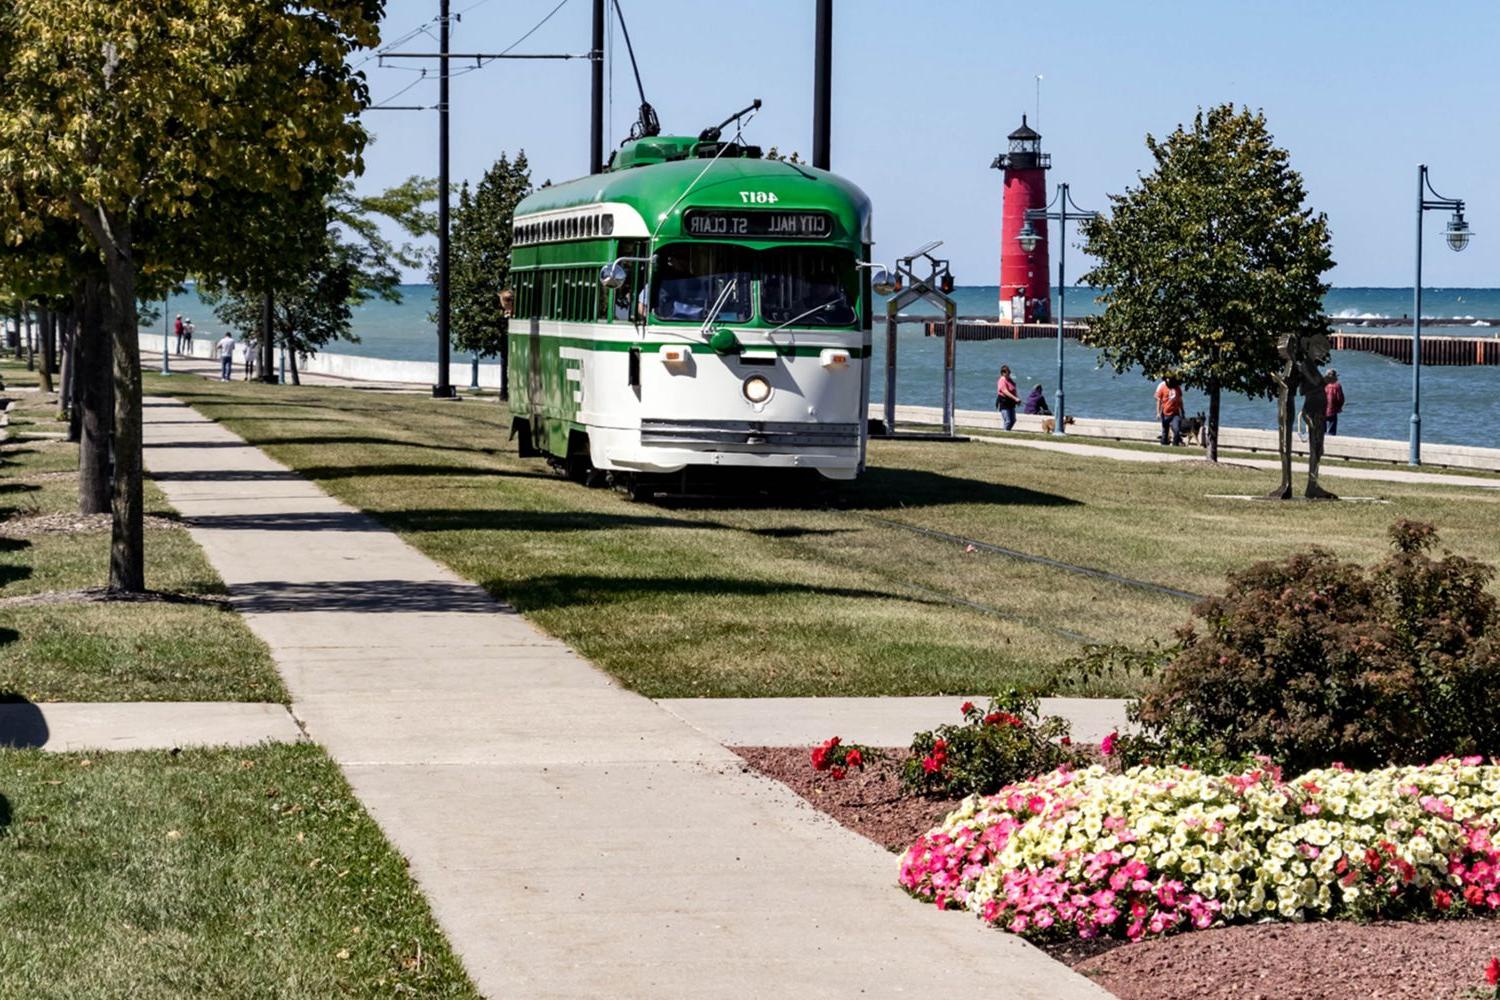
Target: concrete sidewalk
[[574, 839], [143, 725]]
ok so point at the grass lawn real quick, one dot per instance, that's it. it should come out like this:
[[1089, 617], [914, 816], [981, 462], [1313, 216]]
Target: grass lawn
[[76, 651], [227, 873], [734, 598]]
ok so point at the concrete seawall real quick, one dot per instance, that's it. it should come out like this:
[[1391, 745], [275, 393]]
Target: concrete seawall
[[1359, 449], [362, 369]]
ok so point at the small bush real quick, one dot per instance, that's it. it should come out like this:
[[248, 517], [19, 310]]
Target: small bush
[[990, 749], [1312, 661]]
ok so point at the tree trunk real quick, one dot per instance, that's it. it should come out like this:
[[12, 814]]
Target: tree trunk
[[96, 400], [127, 549], [291, 359], [69, 372], [1212, 438], [30, 342], [44, 323]]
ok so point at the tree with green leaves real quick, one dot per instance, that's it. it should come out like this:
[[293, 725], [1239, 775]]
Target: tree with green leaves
[[1213, 257], [479, 259], [175, 132], [354, 263]]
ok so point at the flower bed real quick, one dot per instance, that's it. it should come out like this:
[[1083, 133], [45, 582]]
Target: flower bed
[[1160, 849]]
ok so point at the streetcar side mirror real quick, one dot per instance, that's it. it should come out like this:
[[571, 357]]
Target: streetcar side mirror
[[880, 281], [612, 275]]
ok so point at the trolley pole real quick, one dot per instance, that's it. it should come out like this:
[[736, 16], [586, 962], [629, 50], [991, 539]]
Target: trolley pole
[[822, 84], [596, 92]]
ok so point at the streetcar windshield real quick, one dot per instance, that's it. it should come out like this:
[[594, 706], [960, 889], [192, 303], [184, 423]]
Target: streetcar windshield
[[691, 277], [807, 286]]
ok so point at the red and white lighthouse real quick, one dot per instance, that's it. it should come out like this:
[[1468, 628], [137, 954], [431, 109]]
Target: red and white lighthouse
[[1025, 294]]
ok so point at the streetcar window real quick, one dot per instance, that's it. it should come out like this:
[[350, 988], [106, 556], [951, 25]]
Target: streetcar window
[[810, 286], [691, 277]]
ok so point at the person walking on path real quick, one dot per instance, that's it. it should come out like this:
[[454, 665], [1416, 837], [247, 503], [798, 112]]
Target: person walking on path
[[1169, 409], [1335, 393], [177, 330], [250, 355], [187, 337], [1036, 402], [1006, 397], [225, 350]]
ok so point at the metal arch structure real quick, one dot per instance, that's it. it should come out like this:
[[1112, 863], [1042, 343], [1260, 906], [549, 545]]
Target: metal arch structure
[[932, 288]]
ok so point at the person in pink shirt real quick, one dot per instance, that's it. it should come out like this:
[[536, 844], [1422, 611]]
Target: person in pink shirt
[[1006, 397], [1335, 395]]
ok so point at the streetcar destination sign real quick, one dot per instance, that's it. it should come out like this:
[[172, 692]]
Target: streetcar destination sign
[[757, 224]]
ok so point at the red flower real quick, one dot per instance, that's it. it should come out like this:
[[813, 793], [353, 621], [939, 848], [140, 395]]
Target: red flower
[[939, 746], [931, 765], [1473, 895], [995, 718], [1442, 899], [1067, 741], [838, 773], [1107, 745], [1492, 972], [854, 759], [966, 707], [820, 758]]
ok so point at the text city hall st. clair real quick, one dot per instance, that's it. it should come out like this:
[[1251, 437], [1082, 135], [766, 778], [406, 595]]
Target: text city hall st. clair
[[801, 225]]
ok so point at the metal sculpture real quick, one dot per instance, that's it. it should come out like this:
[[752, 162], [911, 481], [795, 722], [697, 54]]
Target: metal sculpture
[[1301, 354]]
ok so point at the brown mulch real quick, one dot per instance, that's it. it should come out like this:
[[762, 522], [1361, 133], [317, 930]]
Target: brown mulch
[[869, 801], [1329, 960], [66, 524]]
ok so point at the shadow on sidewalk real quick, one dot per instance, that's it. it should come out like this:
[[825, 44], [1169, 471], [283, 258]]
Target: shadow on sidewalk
[[22, 725], [373, 596], [226, 475]]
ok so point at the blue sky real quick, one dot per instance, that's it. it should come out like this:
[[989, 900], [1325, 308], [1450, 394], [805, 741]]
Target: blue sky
[[924, 94]]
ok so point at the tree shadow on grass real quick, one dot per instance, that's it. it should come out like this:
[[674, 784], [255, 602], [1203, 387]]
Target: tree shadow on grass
[[22, 725], [18, 487], [442, 519], [544, 593]]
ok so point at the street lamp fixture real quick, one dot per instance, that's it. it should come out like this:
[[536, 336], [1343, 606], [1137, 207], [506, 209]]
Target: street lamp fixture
[[1028, 237], [1457, 235]]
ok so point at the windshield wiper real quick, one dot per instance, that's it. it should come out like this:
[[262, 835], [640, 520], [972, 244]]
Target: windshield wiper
[[827, 305], [713, 314]]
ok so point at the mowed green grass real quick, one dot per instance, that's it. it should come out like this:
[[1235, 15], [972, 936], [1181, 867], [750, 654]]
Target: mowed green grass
[[227, 873], [78, 651], [820, 597]]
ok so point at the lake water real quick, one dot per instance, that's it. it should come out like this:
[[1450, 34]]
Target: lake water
[[1460, 405]]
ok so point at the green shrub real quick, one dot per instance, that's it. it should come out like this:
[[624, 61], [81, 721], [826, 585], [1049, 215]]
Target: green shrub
[[1313, 661], [990, 749]]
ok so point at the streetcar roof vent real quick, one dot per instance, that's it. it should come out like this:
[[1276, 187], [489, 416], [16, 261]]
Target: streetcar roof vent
[[654, 149], [709, 150]]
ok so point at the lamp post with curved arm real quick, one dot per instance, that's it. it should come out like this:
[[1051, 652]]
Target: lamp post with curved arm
[[1457, 234], [1029, 238]]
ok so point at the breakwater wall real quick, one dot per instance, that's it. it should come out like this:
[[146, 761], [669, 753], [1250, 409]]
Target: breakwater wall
[[1436, 350]]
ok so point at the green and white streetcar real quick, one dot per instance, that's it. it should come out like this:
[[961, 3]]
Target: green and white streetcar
[[693, 308]]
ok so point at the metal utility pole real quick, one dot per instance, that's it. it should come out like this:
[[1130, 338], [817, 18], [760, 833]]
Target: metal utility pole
[[596, 92], [267, 339], [1457, 235], [822, 83], [443, 389], [1029, 238]]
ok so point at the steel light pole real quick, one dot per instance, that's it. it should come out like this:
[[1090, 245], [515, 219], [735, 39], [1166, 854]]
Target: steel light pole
[[1029, 238], [166, 331], [1457, 234]]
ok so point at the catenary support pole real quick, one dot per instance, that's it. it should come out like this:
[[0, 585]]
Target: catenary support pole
[[890, 373], [822, 84], [1415, 457], [950, 343], [444, 388], [268, 339], [596, 92], [1062, 306]]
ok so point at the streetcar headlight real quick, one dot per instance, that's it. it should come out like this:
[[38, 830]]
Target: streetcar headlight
[[757, 389]]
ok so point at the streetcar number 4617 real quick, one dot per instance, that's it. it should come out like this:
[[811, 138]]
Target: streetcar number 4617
[[757, 198]]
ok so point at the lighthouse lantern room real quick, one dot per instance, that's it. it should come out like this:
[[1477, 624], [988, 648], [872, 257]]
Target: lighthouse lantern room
[[1025, 294]]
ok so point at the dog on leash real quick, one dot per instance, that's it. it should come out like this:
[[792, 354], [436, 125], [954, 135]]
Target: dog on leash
[[1192, 429], [1049, 425]]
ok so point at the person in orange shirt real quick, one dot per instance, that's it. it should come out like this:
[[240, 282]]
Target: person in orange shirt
[[1169, 409]]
